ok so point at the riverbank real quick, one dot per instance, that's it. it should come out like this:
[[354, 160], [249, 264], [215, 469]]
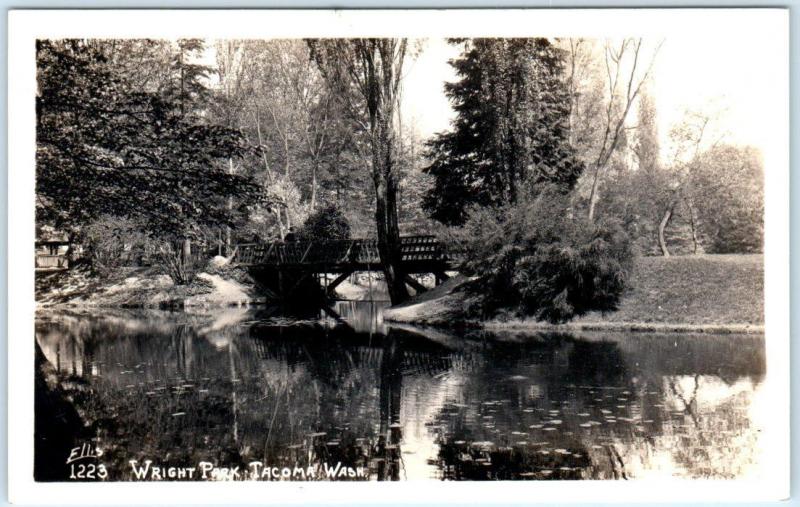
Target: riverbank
[[703, 293], [146, 287], [149, 288]]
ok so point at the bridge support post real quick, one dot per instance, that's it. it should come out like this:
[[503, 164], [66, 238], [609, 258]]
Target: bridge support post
[[441, 277], [414, 284], [331, 288]]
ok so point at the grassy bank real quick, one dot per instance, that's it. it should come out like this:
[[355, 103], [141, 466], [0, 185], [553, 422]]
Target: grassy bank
[[705, 293]]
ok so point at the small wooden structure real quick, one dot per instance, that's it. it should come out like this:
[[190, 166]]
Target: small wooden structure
[[51, 252]]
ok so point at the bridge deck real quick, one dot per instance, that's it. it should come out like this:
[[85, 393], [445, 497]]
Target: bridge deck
[[419, 254]]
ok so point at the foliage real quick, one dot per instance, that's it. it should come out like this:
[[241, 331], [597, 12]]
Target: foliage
[[636, 194], [636, 199], [727, 190], [311, 146], [284, 199], [328, 223], [534, 258], [109, 146], [512, 125], [112, 242], [175, 263]]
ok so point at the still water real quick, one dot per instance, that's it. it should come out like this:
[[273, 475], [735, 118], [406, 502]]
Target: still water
[[395, 403]]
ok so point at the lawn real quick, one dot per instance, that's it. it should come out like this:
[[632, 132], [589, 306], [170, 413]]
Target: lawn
[[697, 290]]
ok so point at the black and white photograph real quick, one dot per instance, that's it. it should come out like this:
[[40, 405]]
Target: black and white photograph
[[415, 254]]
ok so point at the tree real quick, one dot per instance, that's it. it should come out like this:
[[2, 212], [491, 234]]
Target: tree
[[108, 147], [365, 75], [327, 223], [625, 75], [687, 139], [511, 127], [276, 95], [727, 192], [637, 184]]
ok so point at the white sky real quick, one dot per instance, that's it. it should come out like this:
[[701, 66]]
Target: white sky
[[730, 74]]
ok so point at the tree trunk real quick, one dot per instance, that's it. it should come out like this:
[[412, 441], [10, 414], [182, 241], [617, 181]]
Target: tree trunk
[[389, 238], [693, 226], [314, 186], [70, 253], [186, 253], [662, 226], [593, 194], [386, 212], [230, 212]]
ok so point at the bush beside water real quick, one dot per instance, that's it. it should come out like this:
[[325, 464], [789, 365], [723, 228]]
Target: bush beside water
[[537, 258]]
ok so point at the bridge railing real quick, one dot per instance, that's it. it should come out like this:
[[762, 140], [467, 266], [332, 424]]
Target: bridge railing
[[333, 252]]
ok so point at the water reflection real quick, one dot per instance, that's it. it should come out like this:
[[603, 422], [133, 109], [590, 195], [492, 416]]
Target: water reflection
[[399, 403]]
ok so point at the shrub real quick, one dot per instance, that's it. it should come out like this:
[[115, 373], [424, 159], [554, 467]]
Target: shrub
[[113, 242], [171, 260], [535, 259], [326, 223]]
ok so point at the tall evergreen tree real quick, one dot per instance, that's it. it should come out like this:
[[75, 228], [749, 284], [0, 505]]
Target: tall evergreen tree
[[511, 127]]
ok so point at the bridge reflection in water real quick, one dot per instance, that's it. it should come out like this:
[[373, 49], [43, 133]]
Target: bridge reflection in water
[[407, 404]]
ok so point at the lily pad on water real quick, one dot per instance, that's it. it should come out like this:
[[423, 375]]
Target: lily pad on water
[[485, 443]]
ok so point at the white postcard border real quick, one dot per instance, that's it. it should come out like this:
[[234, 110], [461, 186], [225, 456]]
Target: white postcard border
[[26, 26]]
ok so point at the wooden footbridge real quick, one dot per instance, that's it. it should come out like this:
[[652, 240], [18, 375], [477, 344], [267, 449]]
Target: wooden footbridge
[[301, 259]]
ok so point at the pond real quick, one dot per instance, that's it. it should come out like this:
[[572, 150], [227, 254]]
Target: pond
[[341, 395]]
